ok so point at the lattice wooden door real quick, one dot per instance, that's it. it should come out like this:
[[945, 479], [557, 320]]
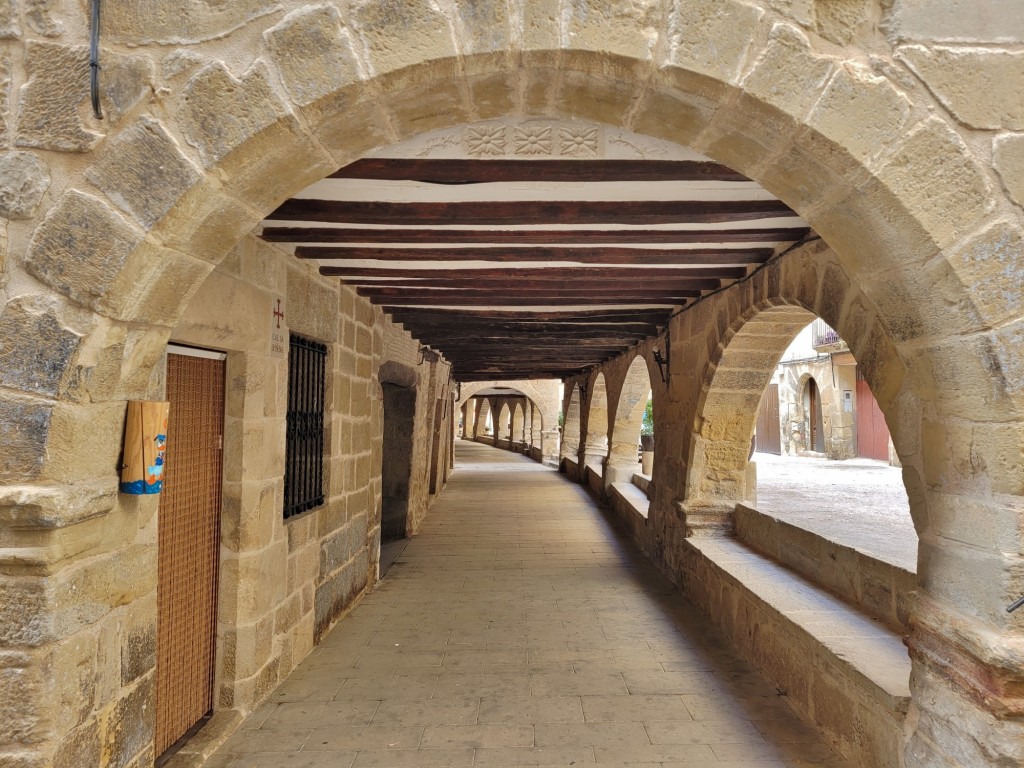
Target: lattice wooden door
[[189, 542]]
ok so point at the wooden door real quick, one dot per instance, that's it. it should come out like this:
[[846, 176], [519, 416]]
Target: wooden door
[[872, 431], [817, 427], [189, 543], [768, 435]]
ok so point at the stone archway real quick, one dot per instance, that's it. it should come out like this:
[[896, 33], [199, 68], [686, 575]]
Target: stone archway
[[571, 431], [862, 153], [629, 411]]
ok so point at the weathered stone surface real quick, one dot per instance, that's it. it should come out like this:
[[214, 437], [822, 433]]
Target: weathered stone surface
[[138, 652], [338, 591], [939, 181], [994, 21], [22, 680], [180, 61], [53, 100], [80, 247], [980, 87], [840, 20], [24, 430], [625, 29], [1009, 161], [788, 74], [9, 27], [5, 97], [144, 173], [129, 725], [43, 16], [24, 179], [313, 52], [244, 108], [33, 506], [396, 33], [184, 23], [712, 38], [28, 326], [990, 265], [80, 747], [860, 112]]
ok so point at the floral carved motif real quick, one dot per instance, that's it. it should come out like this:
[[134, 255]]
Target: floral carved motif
[[578, 141], [482, 140], [532, 140]]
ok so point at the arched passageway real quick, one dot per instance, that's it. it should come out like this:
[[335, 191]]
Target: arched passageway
[[906, 175]]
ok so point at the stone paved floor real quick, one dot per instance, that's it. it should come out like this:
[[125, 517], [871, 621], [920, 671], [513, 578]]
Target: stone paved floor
[[858, 502], [519, 629]]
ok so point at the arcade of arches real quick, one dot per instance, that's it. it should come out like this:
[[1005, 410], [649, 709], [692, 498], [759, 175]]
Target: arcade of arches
[[875, 150]]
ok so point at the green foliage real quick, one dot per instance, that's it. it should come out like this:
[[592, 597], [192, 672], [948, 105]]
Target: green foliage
[[647, 425]]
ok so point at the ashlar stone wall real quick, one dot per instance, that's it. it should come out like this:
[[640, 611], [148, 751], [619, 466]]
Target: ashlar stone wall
[[893, 128]]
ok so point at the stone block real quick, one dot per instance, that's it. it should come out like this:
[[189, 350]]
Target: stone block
[[860, 112], [43, 17], [630, 30], [939, 182], [80, 247], [187, 23], [54, 98], [29, 506], [24, 179], [213, 93], [840, 21], [24, 432], [788, 75], [399, 33], [250, 516], [313, 52], [423, 101], [979, 86], [138, 651], [10, 29], [712, 38], [80, 747], [1009, 161], [336, 594], [994, 21], [342, 546], [206, 222], [144, 173], [85, 441], [246, 648], [312, 306], [128, 726], [23, 694], [27, 326]]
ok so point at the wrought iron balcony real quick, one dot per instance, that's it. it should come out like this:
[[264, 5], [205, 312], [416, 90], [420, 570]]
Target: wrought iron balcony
[[825, 339]]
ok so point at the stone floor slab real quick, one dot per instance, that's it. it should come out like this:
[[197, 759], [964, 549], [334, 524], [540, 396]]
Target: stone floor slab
[[519, 629]]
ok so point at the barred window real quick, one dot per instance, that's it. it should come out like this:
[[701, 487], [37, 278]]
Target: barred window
[[304, 441]]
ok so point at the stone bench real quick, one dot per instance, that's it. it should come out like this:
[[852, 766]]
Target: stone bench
[[845, 671]]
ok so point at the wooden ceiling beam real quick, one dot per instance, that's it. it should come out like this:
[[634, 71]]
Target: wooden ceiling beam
[[566, 315], [454, 171], [636, 212], [490, 299], [551, 287], [559, 274], [624, 256], [530, 236]]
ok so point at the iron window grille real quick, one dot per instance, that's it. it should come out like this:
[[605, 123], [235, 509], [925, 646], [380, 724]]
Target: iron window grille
[[304, 437]]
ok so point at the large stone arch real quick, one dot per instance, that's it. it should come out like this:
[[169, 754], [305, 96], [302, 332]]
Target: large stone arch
[[840, 130], [571, 426], [630, 403], [597, 424]]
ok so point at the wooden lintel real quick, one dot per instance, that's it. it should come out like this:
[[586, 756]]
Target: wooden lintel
[[398, 235], [456, 171], [636, 212]]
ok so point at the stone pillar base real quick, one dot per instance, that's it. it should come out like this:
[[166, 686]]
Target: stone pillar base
[[702, 518]]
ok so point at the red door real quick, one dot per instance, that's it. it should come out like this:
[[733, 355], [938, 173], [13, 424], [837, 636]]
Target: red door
[[872, 431]]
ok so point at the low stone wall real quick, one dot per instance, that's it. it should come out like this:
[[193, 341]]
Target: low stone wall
[[883, 590]]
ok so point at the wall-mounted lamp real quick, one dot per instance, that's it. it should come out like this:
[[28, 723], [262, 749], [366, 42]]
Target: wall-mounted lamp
[[662, 364]]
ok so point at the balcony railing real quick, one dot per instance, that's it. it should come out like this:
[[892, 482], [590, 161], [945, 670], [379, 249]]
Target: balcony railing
[[823, 336]]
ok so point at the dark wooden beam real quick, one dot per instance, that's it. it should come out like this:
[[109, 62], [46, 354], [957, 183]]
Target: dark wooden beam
[[490, 299], [655, 315], [637, 212], [483, 171], [626, 256], [530, 236], [472, 327], [521, 285], [439, 296], [557, 274]]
